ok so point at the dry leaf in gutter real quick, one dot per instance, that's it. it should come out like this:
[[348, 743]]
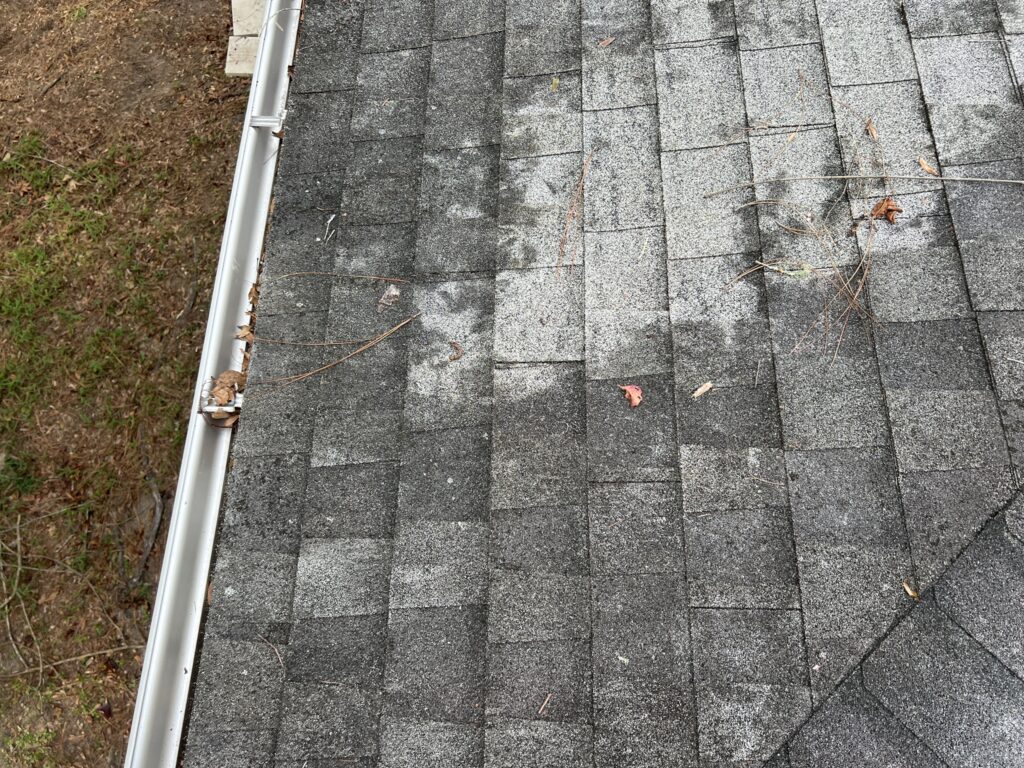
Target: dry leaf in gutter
[[925, 167], [703, 389], [245, 334], [226, 386], [633, 393], [886, 208]]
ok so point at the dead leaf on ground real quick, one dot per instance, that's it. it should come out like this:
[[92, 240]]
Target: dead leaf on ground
[[254, 293], [389, 297], [703, 389], [913, 593], [925, 167], [606, 42], [226, 386], [870, 129], [886, 208], [633, 393], [456, 353]]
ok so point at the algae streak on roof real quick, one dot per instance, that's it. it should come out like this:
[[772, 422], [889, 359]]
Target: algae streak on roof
[[463, 547]]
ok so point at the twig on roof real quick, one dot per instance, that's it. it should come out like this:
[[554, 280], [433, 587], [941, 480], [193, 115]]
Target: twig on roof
[[340, 275], [572, 214], [857, 177]]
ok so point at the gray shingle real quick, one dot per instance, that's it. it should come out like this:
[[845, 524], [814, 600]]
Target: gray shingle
[[1004, 341], [935, 18], [969, 69], [439, 564], [446, 475], [541, 38], [751, 681], [786, 86], [538, 315], [865, 53], [324, 721], [342, 577], [778, 24], [529, 607], [700, 97], [623, 186], [619, 73], [358, 501], [391, 25], [635, 528], [539, 681], [676, 21], [741, 558], [939, 354], [548, 539], [410, 743], [540, 118], [956, 697], [512, 743]]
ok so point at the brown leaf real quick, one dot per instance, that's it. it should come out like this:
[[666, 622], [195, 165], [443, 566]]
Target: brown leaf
[[391, 295], [245, 334], [457, 352], [606, 42], [634, 394], [925, 167], [886, 208], [254, 293], [913, 593], [225, 387], [703, 389], [870, 129]]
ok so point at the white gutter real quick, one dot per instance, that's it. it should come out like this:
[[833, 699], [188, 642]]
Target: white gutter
[[162, 697]]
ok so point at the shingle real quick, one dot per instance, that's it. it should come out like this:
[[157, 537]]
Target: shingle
[[909, 285], [358, 501], [538, 315], [773, 25], [228, 749], [328, 47], [988, 210], [263, 504], [969, 69], [355, 437], [463, 18], [955, 696], [621, 73], [937, 429], [316, 132], [992, 278], [719, 479], [851, 731], [342, 577], [541, 539], [901, 140], [513, 743], [541, 38], [697, 225], [786, 86], [251, 588], [974, 133], [865, 53], [623, 186], [679, 21], [1004, 341], [409, 743], [976, 591], [527, 607], [391, 95], [945, 510], [720, 322], [730, 417], [853, 554], [446, 475], [535, 192], [238, 685], [384, 249], [539, 681], [751, 678], [935, 18], [635, 528], [532, 465], [443, 392], [539, 118], [347, 650], [438, 564], [700, 97], [436, 664], [324, 721], [940, 354], [741, 559], [631, 444], [391, 25]]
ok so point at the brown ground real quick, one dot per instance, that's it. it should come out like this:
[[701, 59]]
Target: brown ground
[[117, 138]]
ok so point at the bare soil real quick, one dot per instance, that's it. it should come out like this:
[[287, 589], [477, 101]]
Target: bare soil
[[117, 142]]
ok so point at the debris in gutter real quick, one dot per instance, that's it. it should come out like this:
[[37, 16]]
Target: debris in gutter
[[633, 393], [226, 386]]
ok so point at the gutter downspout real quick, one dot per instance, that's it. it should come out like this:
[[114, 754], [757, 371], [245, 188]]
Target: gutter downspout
[[162, 698]]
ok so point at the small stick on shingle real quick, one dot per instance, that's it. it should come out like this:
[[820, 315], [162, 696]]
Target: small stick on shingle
[[340, 275], [544, 706], [572, 213]]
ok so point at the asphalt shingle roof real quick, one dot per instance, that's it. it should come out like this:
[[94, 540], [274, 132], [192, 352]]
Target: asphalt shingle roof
[[463, 548]]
